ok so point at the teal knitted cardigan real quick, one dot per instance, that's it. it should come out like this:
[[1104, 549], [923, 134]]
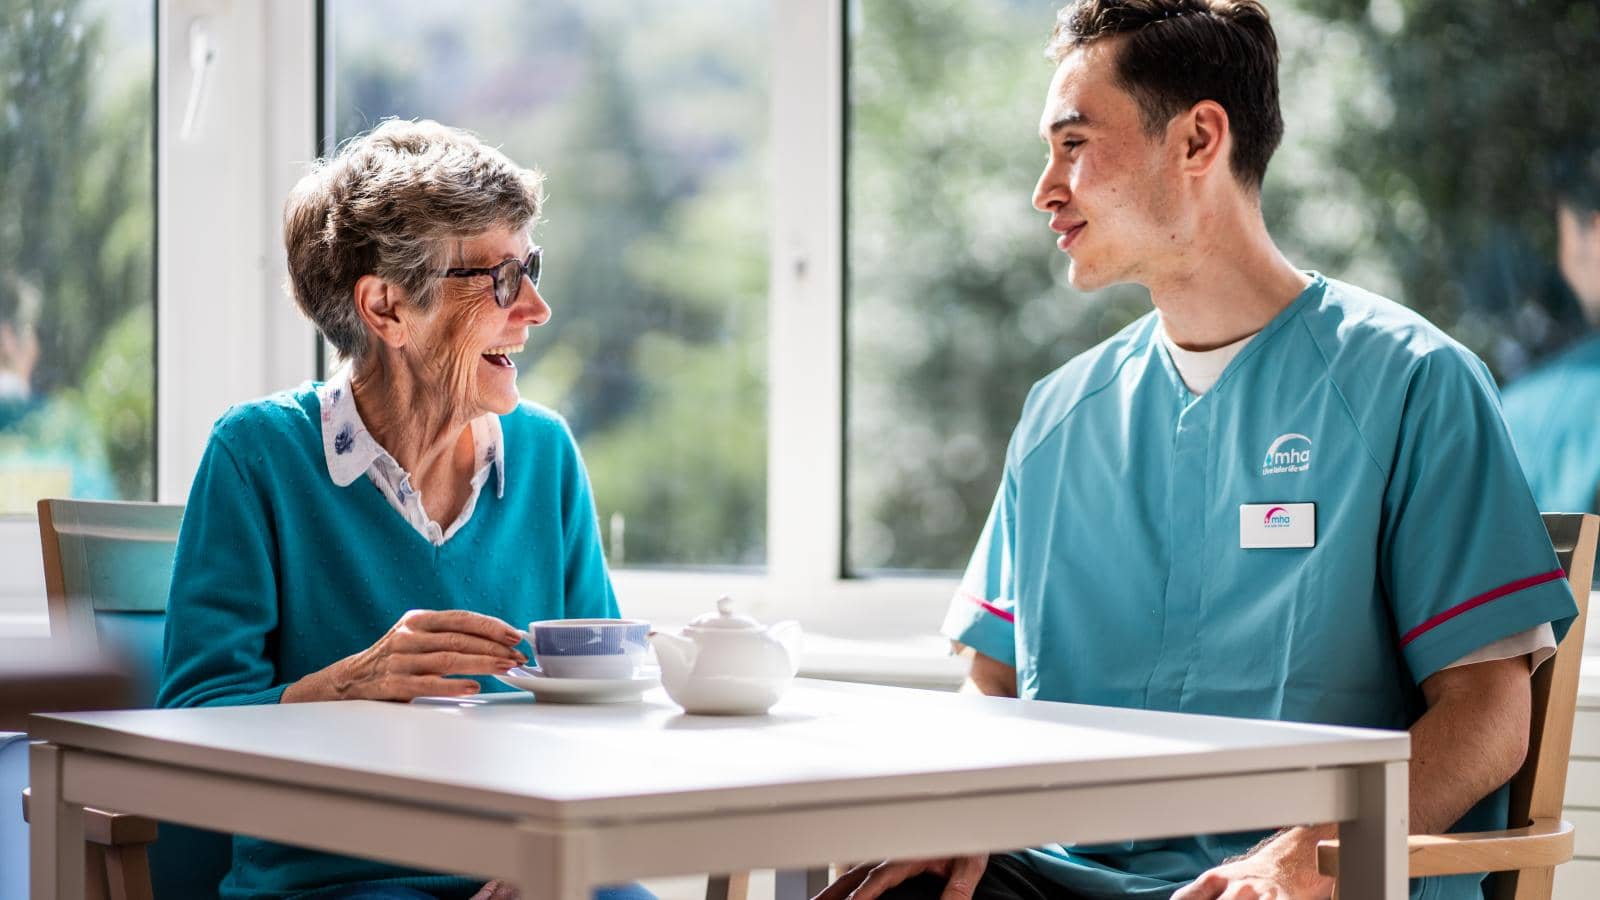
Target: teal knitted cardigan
[[279, 573]]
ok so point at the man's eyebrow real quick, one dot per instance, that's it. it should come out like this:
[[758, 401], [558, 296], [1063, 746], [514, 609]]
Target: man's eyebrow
[[1069, 120]]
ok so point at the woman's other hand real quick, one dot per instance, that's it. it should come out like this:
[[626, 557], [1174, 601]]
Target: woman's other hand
[[415, 657]]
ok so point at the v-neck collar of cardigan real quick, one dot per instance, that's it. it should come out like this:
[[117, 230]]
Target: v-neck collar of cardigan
[[351, 451]]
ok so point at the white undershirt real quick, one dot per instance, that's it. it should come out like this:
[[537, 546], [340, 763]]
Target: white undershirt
[[1200, 370]]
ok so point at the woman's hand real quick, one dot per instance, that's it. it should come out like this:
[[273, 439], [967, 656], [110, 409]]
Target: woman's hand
[[414, 658]]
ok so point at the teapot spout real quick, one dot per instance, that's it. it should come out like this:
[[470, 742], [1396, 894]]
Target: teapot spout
[[676, 654]]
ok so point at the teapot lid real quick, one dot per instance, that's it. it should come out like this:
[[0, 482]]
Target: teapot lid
[[724, 619]]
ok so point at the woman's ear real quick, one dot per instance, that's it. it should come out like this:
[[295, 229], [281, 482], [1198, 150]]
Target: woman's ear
[[377, 302], [1205, 135]]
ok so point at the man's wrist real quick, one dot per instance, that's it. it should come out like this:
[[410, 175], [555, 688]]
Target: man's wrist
[[1293, 854]]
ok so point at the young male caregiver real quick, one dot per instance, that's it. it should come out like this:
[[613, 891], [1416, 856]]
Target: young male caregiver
[[1275, 496]]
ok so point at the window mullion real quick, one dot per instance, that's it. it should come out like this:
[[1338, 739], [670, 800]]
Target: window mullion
[[805, 309], [225, 332]]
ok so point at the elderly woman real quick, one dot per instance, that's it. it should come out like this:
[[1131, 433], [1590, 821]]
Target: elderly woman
[[375, 536]]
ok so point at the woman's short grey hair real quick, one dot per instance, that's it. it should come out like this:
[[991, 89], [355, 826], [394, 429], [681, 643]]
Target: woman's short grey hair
[[393, 203]]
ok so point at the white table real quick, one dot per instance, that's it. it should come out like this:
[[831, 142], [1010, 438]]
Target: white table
[[561, 798]]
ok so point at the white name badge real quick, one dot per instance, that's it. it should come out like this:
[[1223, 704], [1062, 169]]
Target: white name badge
[[1270, 525]]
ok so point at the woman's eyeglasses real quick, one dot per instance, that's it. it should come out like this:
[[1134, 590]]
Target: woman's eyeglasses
[[507, 276]]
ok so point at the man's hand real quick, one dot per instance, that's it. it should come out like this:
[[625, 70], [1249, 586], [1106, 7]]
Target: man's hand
[[868, 880], [1242, 880], [414, 658], [987, 675], [1283, 868]]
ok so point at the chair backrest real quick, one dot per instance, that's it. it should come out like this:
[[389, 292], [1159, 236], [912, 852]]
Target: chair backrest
[[107, 569], [107, 572], [1539, 789]]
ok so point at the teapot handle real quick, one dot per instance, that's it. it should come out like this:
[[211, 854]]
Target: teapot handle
[[788, 634]]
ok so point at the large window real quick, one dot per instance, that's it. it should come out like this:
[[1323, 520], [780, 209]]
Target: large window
[[649, 120], [781, 234], [1419, 135], [77, 385]]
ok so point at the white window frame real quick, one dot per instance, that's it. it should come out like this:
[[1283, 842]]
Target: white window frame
[[225, 330]]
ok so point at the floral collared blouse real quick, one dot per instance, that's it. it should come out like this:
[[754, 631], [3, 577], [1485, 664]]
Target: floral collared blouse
[[351, 452]]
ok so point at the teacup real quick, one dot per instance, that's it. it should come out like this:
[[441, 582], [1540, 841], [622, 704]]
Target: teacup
[[588, 648]]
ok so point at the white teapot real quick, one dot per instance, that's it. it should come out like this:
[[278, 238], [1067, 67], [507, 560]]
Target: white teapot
[[726, 664]]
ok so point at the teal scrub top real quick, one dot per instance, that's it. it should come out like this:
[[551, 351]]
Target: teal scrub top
[[1111, 571], [1554, 414]]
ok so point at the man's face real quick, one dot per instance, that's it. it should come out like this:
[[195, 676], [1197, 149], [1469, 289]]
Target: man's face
[[1110, 188], [1579, 255]]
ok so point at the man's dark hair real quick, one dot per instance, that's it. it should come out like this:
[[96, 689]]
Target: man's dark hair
[[1577, 178], [1179, 52]]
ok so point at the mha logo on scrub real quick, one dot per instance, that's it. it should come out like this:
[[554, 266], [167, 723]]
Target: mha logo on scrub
[[1288, 453]]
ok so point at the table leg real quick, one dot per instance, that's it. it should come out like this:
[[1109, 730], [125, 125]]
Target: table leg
[[55, 861], [733, 886], [1372, 854], [553, 865], [799, 884]]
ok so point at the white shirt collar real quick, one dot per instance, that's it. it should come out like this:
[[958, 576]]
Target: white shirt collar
[[351, 451]]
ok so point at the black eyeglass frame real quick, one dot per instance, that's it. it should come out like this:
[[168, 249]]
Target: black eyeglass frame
[[507, 276]]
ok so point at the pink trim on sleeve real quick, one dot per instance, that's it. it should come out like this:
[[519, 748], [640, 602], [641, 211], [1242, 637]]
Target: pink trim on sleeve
[[1005, 614], [1481, 599]]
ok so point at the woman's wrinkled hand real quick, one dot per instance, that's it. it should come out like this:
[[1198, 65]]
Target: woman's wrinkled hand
[[415, 659]]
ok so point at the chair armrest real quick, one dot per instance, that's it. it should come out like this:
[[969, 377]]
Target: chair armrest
[[1547, 842], [108, 828]]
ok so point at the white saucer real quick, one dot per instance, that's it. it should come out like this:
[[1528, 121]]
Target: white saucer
[[581, 690]]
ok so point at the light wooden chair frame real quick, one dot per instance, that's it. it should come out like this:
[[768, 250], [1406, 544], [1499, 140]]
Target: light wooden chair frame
[[1524, 857], [116, 845]]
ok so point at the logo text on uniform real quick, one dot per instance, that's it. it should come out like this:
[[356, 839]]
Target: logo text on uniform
[[1288, 453], [1277, 517]]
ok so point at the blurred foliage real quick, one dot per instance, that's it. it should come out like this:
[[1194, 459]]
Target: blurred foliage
[[649, 120], [955, 302], [1417, 135], [77, 243], [1446, 122]]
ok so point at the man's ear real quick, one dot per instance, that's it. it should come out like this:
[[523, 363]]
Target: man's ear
[[1205, 134], [377, 302]]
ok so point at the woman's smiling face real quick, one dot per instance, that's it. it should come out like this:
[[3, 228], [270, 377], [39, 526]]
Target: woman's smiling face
[[469, 337]]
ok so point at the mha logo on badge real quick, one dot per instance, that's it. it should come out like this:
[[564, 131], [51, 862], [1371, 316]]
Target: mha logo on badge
[[1288, 453]]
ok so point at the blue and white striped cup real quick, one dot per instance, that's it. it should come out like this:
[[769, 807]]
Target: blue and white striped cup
[[588, 648]]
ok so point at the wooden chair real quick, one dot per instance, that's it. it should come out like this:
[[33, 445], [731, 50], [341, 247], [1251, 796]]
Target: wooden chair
[[107, 569], [1524, 856]]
